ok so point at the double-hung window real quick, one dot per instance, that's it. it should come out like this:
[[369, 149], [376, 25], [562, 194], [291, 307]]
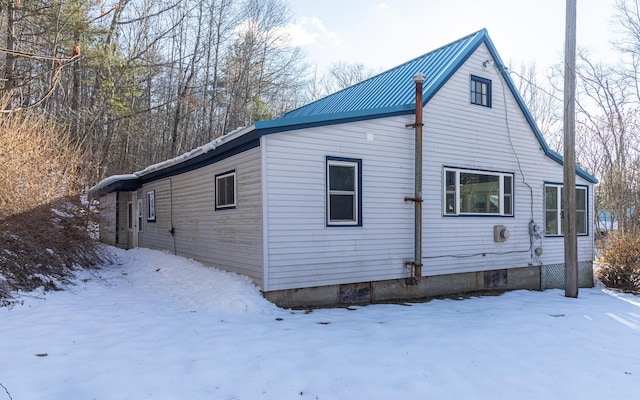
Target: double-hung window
[[480, 91], [344, 182], [470, 192], [226, 190], [553, 209]]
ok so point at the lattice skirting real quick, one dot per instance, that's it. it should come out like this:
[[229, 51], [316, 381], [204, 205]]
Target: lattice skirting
[[552, 275]]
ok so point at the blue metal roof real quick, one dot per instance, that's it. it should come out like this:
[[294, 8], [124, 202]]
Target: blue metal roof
[[393, 91], [387, 94]]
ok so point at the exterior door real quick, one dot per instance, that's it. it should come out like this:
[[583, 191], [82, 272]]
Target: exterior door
[[135, 219]]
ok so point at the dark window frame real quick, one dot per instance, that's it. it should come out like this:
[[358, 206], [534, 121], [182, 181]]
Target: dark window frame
[[452, 193], [355, 163], [480, 91], [220, 192], [151, 206], [558, 210]]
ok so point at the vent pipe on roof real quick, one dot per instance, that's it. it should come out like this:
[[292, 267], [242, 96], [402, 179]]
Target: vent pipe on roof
[[419, 78]]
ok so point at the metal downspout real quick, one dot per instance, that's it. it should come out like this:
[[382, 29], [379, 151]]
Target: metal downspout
[[419, 78]]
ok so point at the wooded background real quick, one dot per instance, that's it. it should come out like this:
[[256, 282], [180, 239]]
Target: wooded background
[[136, 82]]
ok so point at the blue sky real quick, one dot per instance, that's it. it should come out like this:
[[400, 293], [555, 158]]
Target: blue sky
[[384, 33]]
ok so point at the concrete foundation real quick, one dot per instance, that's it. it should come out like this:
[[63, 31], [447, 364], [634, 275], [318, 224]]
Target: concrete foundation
[[404, 289]]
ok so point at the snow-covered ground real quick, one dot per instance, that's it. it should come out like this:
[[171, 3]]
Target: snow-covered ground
[[156, 326]]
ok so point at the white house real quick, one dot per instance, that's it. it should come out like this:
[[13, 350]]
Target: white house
[[318, 206]]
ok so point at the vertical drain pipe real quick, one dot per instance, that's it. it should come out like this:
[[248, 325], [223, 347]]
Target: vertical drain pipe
[[419, 78]]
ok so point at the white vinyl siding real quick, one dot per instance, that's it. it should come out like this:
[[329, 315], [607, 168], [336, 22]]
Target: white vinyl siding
[[229, 239], [303, 252], [278, 235], [481, 138]]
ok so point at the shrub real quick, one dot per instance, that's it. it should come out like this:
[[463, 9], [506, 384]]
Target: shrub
[[44, 225], [620, 262]]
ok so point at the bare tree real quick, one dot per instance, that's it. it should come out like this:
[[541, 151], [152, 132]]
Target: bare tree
[[609, 136], [341, 75], [261, 65], [543, 100]]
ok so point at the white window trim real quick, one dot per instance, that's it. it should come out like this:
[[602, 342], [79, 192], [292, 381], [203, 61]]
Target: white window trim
[[559, 209], [457, 212], [140, 215], [355, 193], [235, 194], [151, 205], [129, 216]]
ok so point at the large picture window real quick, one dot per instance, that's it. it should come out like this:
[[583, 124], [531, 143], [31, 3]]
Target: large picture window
[[553, 210], [344, 204], [469, 192], [226, 190]]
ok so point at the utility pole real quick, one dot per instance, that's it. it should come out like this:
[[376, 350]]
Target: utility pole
[[569, 195]]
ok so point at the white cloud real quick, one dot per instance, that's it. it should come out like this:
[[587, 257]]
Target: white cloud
[[310, 31]]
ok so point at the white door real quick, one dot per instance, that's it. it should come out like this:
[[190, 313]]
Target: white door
[[136, 219]]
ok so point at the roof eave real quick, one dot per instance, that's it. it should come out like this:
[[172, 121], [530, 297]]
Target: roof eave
[[527, 114], [287, 124], [115, 184]]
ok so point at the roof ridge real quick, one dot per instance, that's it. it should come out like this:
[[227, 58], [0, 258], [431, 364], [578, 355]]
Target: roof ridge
[[389, 71]]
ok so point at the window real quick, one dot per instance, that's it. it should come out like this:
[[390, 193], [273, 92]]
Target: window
[[140, 215], [468, 192], [344, 203], [553, 194], [151, 206], [480, 91], [129, 216], [226, 190]]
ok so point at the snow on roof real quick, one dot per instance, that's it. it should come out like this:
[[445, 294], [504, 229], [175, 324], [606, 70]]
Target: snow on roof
[[212, 145], [192, 153], [110, 181]]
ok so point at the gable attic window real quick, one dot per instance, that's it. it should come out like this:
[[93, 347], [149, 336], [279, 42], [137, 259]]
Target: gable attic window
[[344, 183], [226, 190], [553, 210], [470, 192], [480, 91], [151, 206]]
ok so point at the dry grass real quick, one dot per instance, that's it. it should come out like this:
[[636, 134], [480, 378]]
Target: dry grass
[[39, 161], [43, 224]]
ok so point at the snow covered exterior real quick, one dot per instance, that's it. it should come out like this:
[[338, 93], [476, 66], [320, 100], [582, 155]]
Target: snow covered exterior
[[313, 206]]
